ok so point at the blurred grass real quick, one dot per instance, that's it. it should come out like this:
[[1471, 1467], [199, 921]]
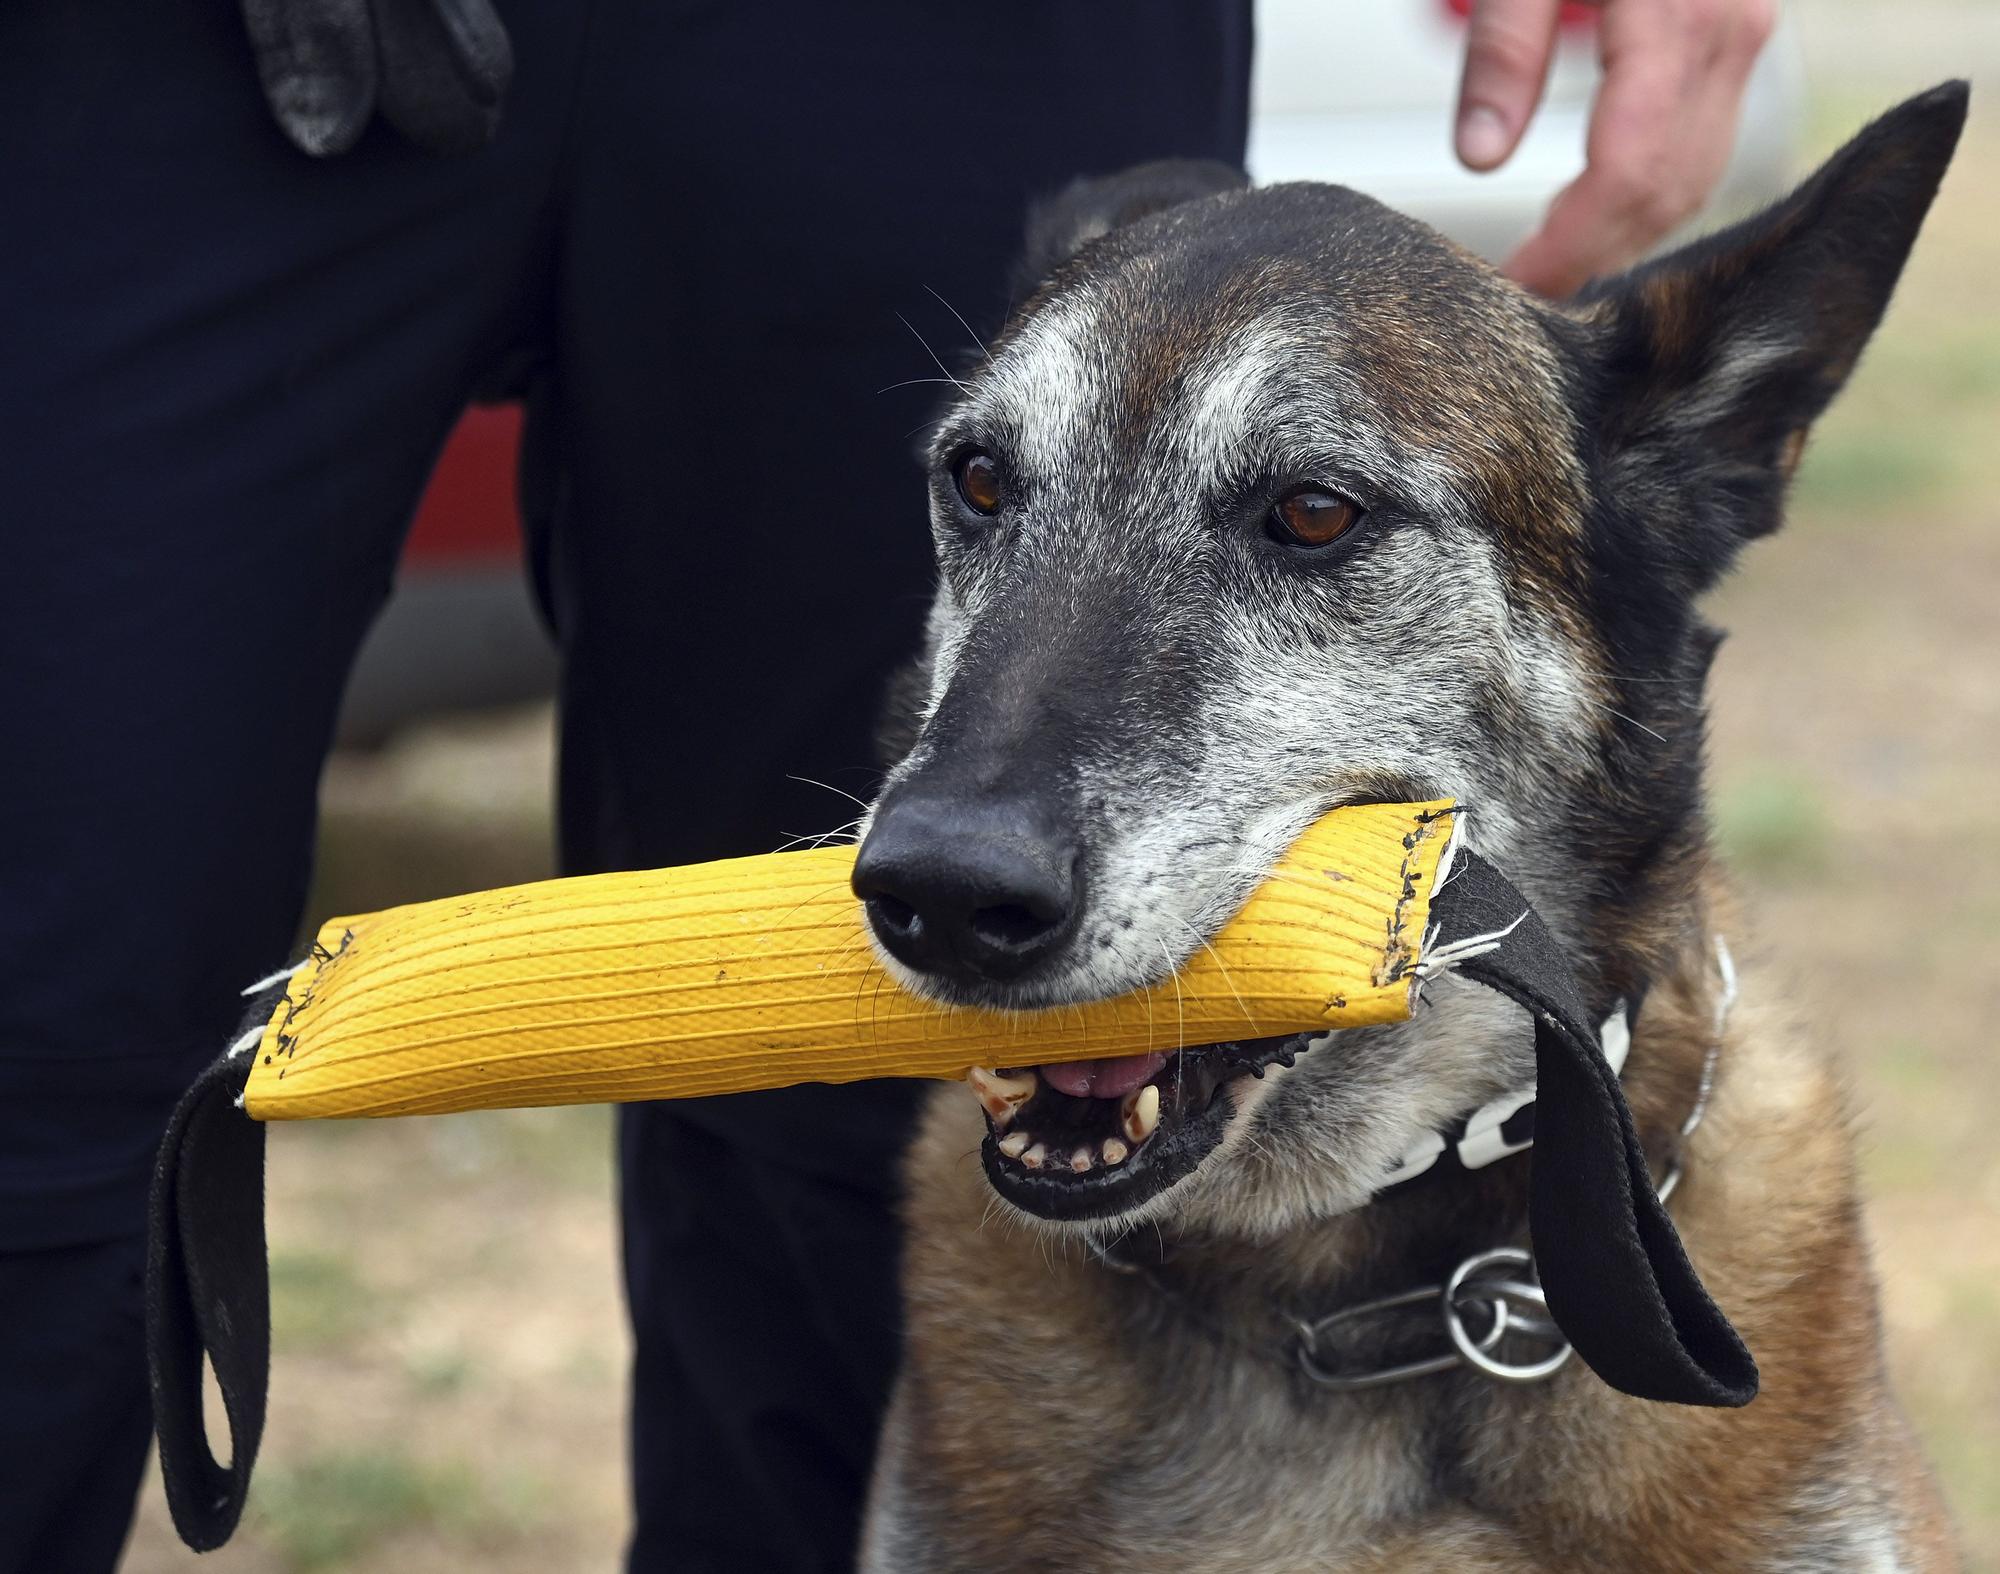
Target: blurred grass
[[317, 1299], [1772, 824], [336, 1509], [438, 1373], [1872, 471]]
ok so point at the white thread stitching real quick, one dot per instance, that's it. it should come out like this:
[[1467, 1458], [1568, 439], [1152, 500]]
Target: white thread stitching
[[282, 974], [1464, 949]]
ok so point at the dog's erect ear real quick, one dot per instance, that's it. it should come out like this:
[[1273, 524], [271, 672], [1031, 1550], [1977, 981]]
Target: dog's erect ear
[[1719, 357], [1061, 226]]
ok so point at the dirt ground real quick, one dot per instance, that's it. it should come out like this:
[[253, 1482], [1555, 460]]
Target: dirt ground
[[447, 1384]]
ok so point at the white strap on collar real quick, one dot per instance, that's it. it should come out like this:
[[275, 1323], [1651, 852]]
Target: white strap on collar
[[1483, 1137]]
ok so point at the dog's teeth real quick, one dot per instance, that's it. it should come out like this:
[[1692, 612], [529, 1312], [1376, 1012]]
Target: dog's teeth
[[1080, 1161], [1140, 1113], [1002, 1096], [1114, 1151], [1034, 1156], [1014, 1144]]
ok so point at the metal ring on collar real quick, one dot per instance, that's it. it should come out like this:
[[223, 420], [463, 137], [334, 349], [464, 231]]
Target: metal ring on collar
[[1312, 1331], [1477, 1353]]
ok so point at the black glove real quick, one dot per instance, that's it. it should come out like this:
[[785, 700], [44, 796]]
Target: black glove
[[437, 69]]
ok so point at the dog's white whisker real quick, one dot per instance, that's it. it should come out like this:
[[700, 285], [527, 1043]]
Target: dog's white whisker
[[821, 838], [861, 803], [1629, 677], [1222, 967], [955, 382], [1648, 731], [969, 331], [920, 382]]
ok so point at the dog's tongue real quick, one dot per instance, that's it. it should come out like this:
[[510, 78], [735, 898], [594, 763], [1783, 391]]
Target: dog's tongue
[[1110, 1078]]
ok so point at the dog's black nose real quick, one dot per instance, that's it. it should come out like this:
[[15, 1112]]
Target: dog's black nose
[[969, 888]]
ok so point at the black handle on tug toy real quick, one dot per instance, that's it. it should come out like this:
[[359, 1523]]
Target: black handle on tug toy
[[208, 1293], [1618, 1281]]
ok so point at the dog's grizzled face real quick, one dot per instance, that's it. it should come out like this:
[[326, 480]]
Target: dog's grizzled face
[[1273, 500]]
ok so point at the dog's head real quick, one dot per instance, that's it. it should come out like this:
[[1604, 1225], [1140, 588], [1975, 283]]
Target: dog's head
[[1272, 500]]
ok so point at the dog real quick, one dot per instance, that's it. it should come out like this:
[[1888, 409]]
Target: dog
[[1265, 501]]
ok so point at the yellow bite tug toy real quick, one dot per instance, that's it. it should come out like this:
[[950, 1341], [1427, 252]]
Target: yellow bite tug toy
[[757, 973]]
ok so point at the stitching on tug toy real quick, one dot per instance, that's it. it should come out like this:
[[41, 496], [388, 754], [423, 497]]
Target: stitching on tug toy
[[756, 972]]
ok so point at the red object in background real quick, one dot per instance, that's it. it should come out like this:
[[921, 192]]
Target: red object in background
[[468, 515], [1573, 15]]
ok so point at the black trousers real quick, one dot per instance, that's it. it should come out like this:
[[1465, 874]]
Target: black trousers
[[224, 372]]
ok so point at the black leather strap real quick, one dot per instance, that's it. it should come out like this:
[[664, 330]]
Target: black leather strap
[[1618, 1281], [208, 1295]]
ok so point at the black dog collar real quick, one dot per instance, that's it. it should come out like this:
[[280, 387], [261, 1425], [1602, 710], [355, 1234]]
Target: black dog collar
[[1498, 1129]]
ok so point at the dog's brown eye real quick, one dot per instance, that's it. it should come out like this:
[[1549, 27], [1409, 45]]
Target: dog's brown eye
[[977, 476], [1313, 519]]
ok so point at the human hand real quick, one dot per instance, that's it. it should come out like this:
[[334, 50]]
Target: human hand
[[436, 69], [1661, 127]]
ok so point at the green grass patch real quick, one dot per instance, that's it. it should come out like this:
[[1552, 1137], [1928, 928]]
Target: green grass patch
[[1968, 1466], [435, 1373], [330, 1509], [317, 1300], [1773, 826], [568, 1146], [1947, 369], [1907, 1067], [1912, 431], [1886, 467], [1900, 1165]]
